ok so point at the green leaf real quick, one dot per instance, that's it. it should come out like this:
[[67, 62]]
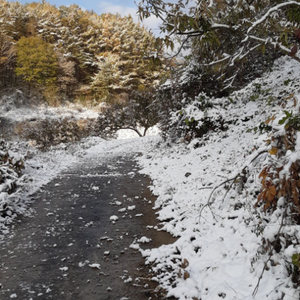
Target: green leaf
[[282, 121], [296, 260], [288, 114]]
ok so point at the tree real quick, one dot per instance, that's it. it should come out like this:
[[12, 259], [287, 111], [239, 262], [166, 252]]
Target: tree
[[48, 21], [107, 81], [36, 61], [112, 53], [128, 58], [66, 75], [138, 114], [7, 55], [226, 34], [76, 30]]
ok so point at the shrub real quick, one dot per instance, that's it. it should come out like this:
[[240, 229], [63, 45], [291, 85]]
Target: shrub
[[189, 118], [280, 177], [10, 173], [51, 132]]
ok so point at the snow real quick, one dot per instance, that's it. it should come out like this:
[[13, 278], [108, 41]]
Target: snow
[[114, 218], [144, 239], [95, 266], [218, 252], [11, 109], [218, 239], [270, 11], [131, 207]]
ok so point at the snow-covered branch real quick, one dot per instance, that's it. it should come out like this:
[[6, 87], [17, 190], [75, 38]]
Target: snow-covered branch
[[269, 12], [216, 62], [200, 32], [274, 44]]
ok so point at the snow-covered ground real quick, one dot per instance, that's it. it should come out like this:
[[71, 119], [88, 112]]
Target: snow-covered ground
[[219, 252]]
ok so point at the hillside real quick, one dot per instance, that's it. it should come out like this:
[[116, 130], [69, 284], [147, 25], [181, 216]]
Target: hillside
[[65, 53], [233, 243]]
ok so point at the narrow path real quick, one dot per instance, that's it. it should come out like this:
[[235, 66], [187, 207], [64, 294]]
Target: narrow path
[[72, 249]]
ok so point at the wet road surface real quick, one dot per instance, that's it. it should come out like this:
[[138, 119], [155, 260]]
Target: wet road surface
[[76, 245]]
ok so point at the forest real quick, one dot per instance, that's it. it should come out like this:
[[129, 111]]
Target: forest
[[66, 53]]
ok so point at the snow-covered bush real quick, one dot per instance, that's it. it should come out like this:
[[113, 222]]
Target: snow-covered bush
[[281, 175], [50, 132], [185, 118], [280, 183], [11, 181], [233, 201], [198, 118], [186, 105]]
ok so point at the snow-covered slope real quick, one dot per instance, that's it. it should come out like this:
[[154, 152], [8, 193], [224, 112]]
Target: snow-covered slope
[[222, 247]]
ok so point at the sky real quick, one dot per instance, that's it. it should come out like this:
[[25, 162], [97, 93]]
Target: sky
[[123, 7]]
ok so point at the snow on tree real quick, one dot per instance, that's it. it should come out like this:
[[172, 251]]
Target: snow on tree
[[75, 24], [10, 13], [36, 61], [138, 114], [129, 51], [227, 34], [11, 182], [86, 46], [48, 23], [107, 79]]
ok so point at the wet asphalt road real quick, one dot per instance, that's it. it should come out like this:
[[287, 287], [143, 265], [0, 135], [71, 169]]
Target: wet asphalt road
[[71, 249]]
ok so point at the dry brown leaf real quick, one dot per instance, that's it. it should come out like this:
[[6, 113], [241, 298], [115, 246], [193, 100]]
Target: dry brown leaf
[[271, 193], [185, 263], [294, 51], [270, 119], [186, 275], [273, 151]]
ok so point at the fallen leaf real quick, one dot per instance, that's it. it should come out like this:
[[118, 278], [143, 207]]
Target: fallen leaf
[[273, 151]]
